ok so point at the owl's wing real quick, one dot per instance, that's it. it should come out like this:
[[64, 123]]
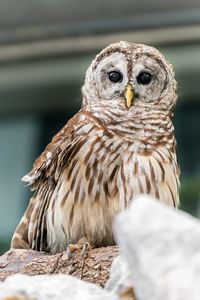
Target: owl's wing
[[30, 233], [46, 164]]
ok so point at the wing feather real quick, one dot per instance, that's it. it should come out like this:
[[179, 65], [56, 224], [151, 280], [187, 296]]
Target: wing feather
[[30, 233]]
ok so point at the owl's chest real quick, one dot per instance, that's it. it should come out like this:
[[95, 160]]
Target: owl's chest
[[111, 172], [120, 171], [107, 169]]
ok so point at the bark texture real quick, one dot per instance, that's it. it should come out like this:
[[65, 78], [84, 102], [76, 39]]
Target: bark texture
[[94, 268]]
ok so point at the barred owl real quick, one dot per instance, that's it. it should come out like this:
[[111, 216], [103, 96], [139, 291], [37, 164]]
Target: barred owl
[[119, 145]]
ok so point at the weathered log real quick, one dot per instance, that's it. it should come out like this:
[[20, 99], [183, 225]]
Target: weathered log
[[94, 267]]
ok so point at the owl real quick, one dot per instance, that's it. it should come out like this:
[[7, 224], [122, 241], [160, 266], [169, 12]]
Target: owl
[[119, 145]]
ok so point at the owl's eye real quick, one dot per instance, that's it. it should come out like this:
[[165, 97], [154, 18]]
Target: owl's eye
[[115, 76], [144, 78]]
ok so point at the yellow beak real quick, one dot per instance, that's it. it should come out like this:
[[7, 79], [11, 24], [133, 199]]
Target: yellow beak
[[129, 95]]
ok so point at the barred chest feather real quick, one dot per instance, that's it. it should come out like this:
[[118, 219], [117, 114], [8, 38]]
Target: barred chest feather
[[101, 179]]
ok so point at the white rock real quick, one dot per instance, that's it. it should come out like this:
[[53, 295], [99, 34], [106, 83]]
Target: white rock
[[162, 248], [120, 276], [54, 287]]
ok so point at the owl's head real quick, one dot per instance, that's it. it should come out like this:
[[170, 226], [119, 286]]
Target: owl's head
[[127, 75]]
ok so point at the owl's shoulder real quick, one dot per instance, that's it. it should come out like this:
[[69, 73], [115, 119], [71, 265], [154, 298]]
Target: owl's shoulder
[[71, 135]]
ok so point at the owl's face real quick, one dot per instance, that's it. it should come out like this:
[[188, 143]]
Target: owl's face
[[125, 74]]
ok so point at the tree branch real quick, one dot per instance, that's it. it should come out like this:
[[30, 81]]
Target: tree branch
[[94, 268]]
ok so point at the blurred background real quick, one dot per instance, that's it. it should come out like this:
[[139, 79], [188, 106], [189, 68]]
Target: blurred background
[[45, 49]]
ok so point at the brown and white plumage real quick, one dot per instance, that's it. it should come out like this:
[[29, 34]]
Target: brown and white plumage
[[106, 154]]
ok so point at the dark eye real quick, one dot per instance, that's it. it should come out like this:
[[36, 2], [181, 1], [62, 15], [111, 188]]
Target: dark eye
[[115, 76], [144, 78]]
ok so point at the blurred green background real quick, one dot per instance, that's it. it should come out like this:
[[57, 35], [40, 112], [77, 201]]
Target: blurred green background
[[45, 49]]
